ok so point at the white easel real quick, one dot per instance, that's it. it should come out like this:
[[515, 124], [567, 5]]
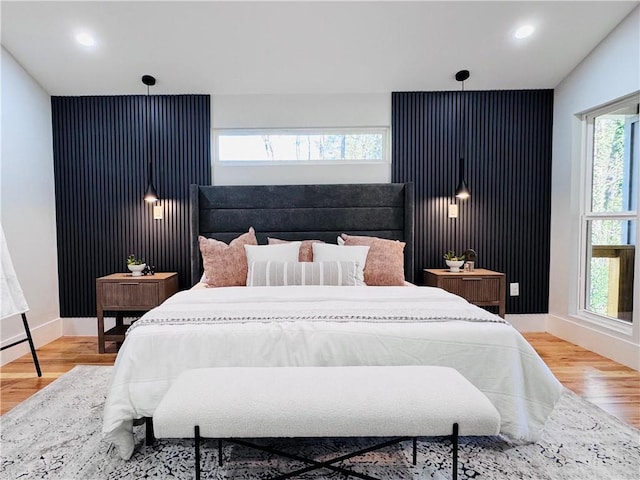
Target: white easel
[[13, 301]]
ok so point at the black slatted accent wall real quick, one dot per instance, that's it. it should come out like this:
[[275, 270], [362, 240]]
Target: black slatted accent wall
[[100, 167], [507, 218]]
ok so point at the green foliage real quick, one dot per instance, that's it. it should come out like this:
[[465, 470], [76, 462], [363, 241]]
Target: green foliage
[[133, 260], [608, 177], [453, 256], [599, 286]]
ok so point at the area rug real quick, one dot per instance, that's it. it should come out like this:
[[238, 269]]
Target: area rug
[[56, 435]]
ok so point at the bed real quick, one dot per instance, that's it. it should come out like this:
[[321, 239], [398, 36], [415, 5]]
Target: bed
[[321, 325]]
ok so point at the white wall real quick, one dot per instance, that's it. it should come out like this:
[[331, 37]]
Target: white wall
[[27, 204], [287, 111], [610, 72]]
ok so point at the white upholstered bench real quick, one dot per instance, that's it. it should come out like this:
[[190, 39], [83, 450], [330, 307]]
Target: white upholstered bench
[[388, 401]]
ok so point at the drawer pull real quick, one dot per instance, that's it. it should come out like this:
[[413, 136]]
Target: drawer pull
[[130, 283], [472, 279]]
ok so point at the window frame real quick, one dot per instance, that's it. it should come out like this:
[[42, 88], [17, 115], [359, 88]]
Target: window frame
[[587, 215], [386, 145]]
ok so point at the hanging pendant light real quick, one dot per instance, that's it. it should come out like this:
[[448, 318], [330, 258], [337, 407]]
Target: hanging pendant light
[[150, 195], [462, 190]]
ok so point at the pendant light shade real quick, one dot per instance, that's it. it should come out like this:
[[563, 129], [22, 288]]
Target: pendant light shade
[[150, 195], [462, 190]]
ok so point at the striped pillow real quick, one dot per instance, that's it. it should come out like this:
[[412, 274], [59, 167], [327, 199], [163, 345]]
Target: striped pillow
[[269, 273]]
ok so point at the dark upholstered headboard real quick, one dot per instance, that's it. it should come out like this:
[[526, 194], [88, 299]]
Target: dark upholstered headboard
[[299, 212]]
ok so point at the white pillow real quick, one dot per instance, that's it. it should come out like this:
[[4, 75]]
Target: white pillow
[[340, 240], [283, 252], [326, 252], [265, 274]]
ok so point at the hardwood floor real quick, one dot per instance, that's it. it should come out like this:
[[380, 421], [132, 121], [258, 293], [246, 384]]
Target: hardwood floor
[[613, 387], [18, 379]]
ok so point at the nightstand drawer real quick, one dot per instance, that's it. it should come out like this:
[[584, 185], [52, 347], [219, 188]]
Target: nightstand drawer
[[481, 287], [474, 289], [130, 294]]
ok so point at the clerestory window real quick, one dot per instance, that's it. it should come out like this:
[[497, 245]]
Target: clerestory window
[[287, 146]]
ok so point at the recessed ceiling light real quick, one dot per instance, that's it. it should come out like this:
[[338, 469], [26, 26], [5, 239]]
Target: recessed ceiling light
[[524, 31], [85, 39]]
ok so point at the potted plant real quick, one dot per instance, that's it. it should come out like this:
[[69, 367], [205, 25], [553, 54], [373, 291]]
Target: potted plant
[[453, 261], [135, 265]]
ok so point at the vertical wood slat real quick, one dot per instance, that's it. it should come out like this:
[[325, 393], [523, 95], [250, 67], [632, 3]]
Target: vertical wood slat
[[508, 169], [100, 169]]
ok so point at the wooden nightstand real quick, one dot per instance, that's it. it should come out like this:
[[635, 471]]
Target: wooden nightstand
[[480, 287], [121, 292]]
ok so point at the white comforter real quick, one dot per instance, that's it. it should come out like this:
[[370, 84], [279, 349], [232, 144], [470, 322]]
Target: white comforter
[[326, 326]]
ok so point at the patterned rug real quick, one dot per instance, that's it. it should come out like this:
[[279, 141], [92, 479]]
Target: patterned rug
[[56, 435]]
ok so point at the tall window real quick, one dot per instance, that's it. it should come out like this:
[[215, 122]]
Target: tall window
[[610, 219], [346, 145]]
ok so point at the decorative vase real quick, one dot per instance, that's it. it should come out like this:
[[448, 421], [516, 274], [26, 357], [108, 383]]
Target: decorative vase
[[136, 270], [454, 265]]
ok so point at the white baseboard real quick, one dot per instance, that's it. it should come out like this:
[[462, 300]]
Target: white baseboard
[[41, 335], [87, 326], [608, 345], [536, 322], [84, 327]]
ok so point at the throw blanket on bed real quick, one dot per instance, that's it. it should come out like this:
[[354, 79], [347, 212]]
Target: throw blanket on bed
[[326, 326], [318, 303]]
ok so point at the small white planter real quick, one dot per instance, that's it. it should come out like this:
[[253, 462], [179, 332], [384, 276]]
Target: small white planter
[[454, 266], [136, 270]]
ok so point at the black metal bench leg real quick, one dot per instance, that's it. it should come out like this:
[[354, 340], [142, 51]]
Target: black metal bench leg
[[414, 450], [31, 346], [148, 429], [220, 452], [454, 441], [197, 438]]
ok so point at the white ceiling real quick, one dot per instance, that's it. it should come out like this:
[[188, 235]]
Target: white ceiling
[[302, 47]]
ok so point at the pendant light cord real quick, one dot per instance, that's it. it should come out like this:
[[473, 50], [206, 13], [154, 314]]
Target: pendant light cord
[[149, 171], [462, 129]]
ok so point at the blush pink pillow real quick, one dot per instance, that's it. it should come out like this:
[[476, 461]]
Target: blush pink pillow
[[306, 248], [226, 265], [385, 260]]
